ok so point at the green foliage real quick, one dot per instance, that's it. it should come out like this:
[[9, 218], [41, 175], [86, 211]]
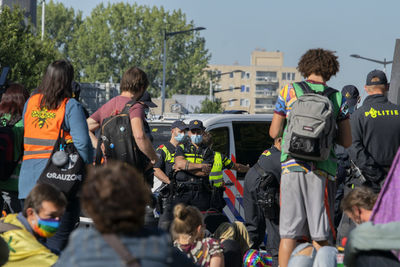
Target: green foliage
[[20, 49], [208, 106], [60, 24], [121, 35]]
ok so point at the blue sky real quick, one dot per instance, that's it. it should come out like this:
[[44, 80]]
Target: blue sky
[[236, 27]]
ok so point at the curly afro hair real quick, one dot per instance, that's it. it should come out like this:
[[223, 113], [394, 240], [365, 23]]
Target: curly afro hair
[[320, 62]]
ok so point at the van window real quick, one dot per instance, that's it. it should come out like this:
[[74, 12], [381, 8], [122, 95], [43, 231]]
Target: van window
[[220, 138], [161, 134], [251, 139]]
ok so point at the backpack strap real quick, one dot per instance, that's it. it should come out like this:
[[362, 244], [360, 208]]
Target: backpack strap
[[128, 106], [5, 227], [329, 91], [122, 251], [305, 88]]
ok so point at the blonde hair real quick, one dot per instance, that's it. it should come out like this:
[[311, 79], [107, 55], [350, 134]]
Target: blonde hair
[[186, 220]]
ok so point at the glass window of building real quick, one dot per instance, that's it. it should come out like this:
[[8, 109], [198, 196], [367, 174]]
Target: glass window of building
[[242, 88], [283, 75], [247, 75], [242, 75], [247, 89], [231, 87], [293, 76], [231, 75]]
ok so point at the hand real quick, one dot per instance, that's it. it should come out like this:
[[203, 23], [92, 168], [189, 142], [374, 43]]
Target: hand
[[206, 168]]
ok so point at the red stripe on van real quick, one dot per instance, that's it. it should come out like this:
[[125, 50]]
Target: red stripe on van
[[232, 177], [230, 195]]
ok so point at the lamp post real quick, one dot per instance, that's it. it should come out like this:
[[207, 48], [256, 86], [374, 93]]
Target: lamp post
[[384, 62], [43, 11], [219, 74], [166, 35]]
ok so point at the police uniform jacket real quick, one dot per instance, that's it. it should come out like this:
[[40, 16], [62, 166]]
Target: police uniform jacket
[[269, 161], [194, 155], [375, 129], [165, 162]]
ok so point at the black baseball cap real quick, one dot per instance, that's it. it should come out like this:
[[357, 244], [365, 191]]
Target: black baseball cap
[[179, 124], [146, 99], [351, 93], [376, 77], [196, 124]]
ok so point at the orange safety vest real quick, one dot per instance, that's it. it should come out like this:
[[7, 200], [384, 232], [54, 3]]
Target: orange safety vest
[[41, 128]]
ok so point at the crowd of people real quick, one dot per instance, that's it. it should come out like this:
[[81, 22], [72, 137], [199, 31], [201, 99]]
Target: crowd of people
[[325, 190]]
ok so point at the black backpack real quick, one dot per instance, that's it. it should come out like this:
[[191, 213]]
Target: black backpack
[[119, 143], [7, 163]]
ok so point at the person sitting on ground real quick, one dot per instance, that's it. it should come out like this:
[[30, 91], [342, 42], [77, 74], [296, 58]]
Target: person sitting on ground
[[26, 232], [235, 241], [188, 234], [369, 244], [115, 196]]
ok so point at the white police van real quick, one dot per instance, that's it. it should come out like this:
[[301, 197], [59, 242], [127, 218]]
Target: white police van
[[242, 137]]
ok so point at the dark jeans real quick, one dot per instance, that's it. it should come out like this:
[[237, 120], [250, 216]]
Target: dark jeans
[[377, 258], [166, 216], [68, 223], [273, 239]]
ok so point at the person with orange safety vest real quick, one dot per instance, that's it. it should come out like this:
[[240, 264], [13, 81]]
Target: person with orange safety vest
[[44, 113]]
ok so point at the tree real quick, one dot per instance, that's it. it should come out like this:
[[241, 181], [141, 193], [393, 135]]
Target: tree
[[21, 50], [118, 36], [208, 106], [60, 24]]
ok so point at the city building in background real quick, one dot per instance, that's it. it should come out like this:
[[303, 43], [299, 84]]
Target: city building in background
[[28, 5], [253, 88]]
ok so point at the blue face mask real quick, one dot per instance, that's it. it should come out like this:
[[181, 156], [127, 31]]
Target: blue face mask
[[179, 137], [196, 139]]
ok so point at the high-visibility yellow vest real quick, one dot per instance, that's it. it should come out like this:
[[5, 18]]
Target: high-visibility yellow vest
[[25, 249], [216, 175], [169, 157], [192, 157]]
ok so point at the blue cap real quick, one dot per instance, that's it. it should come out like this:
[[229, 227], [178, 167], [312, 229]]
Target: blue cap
[[179, 124]]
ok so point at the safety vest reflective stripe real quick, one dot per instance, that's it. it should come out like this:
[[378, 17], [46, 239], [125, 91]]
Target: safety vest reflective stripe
[[42, 128], [216, 174], [168, 156], [39, 142], [38, 152], [194, 159]]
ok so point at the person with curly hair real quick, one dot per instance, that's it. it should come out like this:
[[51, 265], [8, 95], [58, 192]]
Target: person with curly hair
[[304, 213], [115, 197], [188, 232]]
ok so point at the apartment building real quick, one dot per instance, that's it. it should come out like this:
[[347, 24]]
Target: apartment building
[[253, 88]]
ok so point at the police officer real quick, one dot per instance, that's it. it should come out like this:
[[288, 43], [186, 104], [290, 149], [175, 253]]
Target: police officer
[[219, 162], [375, 129], [163, 170], [261, 199], [192, 173]]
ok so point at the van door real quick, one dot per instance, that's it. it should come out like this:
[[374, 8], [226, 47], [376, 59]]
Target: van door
[[222, 135]]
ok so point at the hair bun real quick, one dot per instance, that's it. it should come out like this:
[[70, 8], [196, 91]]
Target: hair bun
[[180, 212]]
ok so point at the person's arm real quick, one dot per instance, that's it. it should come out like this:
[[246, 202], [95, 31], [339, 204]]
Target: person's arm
[[240, 167], [217, 260], [93, 126], [142, 141], [344, 133], [198, 169], [76, 122], [161, 175], [277, 126], [254, 219]]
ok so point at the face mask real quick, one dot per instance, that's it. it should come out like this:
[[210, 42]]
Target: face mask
[[46, 227], [179, 137], [196, 139]]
